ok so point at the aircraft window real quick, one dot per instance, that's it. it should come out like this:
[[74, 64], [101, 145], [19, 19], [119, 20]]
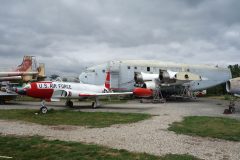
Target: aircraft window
[[148, 69], [129, 67], [85, 76], [135, 67], [103, 70]]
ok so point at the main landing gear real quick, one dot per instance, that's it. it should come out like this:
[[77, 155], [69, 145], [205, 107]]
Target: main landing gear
[[69, 103], [43, 108], [96, 103], [2, 101], [232, 106]]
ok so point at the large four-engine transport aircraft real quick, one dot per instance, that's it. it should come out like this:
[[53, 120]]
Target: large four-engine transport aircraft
[[54, 91], [145, 75], [123, 73]]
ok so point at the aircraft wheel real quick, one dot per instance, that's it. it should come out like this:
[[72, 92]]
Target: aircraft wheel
[[43, 109], [2, 102], [70, 104], [232, 109]]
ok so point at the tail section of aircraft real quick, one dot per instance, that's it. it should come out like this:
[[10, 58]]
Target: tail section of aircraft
[[26, 65], [107, 81], [28, 70]]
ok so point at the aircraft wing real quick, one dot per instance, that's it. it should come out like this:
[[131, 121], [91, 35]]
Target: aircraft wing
[[74, 94], [104, 94]]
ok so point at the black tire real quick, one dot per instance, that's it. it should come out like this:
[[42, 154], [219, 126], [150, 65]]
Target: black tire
[[43, 110], [70, 104], [2, 102], [232, 109], [67, 103]]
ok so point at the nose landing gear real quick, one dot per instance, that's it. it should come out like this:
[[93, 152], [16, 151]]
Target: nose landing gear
[[43, 108]]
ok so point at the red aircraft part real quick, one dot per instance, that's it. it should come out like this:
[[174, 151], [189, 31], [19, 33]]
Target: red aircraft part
[[143, 92], [36, 92]]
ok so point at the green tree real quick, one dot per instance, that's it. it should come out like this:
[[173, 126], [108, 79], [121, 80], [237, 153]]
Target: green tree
[[64, 79], [235, 70], [53, 76]]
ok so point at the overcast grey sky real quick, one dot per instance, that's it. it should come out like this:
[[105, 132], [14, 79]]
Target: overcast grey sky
[[68, 35]]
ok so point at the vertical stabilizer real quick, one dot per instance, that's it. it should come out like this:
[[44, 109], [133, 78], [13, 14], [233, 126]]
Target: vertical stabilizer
[[107, 81], [41, 72], [26, 65]]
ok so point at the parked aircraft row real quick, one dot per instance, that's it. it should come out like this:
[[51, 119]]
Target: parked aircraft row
[[140, 78]]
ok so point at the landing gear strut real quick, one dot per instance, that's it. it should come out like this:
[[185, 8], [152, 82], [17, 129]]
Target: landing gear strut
[[43, 108], [231, 107], [96, 103]]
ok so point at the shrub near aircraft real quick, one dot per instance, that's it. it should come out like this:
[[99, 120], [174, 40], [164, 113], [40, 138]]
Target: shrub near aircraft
[[54, 91]]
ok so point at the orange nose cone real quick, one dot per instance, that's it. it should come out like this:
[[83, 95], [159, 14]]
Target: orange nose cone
[[142, 92]]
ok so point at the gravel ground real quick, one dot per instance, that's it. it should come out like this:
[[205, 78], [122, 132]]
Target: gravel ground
[[150, 136]]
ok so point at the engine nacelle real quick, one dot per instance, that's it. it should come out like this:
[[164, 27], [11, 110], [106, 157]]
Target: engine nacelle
[[167, 76], [233, 86], [150, 85], [141, 77], [170, 77]]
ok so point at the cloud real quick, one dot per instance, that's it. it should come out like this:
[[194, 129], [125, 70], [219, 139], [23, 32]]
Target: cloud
[[69, 35]]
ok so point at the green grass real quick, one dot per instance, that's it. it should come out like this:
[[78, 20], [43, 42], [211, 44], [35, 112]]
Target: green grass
[[215, 127], [37, 148], [69, 117]]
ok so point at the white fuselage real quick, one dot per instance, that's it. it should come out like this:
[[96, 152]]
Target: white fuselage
[[122, 73]]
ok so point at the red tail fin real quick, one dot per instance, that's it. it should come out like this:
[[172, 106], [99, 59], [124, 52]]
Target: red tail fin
[[26, 64], [107, 81]]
